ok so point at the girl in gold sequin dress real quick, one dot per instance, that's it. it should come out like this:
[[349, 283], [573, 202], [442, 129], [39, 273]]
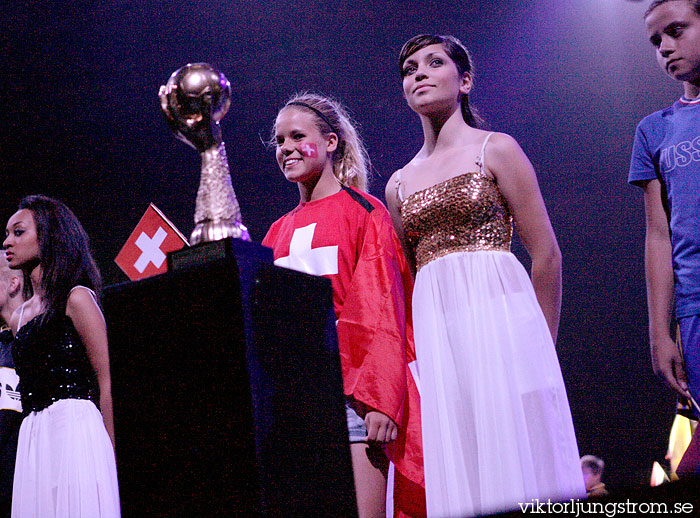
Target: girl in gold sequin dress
[[497, 428]]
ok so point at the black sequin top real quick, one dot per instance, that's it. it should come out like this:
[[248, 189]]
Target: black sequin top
[[52, 364]]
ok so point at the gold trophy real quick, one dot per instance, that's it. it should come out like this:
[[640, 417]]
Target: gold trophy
[[194, 100]]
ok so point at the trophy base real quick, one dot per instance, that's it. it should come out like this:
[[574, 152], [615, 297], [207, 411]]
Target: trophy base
[[215, 230], [212, 251]]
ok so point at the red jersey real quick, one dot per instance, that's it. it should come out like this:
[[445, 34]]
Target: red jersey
[[348, 237]]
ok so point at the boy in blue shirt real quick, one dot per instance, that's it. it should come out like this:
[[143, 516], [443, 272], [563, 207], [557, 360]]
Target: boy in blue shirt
[[666, 164]]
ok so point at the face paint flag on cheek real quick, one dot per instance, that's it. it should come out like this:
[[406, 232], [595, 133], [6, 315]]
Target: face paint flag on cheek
[[309, 150]]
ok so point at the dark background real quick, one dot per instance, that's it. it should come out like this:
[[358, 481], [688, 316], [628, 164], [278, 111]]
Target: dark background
[[79, 120]]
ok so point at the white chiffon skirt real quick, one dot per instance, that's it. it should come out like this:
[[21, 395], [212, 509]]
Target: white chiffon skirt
[[497, 427], [65, 464]]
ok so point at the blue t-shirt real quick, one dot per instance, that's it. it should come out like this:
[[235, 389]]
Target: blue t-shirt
[[667, 147]]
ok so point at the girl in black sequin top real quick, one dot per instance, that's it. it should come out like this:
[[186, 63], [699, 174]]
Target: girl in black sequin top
[[65, 456]]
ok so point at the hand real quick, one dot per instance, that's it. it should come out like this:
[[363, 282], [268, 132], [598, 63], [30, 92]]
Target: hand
[[667, 363], [380, 427], [199, 131]]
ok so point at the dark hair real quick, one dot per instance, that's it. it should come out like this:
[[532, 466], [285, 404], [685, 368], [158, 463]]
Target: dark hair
[[656, 3], [64, 252], [351, 163], [457, 53]]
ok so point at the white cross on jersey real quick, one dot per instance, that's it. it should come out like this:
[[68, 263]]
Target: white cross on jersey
[[150, 250], [316, 261]]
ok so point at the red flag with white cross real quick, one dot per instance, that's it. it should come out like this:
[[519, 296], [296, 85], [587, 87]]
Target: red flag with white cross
[[144, 253]]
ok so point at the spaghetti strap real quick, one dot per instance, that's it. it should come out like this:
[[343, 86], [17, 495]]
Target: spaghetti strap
[[481, 159], [84, 287], [399, 194], [21, 315], [94, 295]]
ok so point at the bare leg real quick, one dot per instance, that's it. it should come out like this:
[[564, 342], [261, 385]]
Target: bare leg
[[369, 466]]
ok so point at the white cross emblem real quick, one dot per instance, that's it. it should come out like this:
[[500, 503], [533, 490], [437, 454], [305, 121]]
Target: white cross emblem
[[309, 150], [150, 250], [316, 261]]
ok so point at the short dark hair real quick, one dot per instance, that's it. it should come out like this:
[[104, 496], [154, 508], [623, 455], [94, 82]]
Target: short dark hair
[[656, 3]]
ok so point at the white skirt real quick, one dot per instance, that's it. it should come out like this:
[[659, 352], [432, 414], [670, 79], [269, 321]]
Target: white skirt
[[65, 464], [497, 428]]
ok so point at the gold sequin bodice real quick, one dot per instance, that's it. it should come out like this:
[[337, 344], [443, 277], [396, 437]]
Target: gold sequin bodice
[[465, 213]]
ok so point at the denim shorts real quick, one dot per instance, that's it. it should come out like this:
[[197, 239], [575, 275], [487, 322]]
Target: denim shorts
[[357, 432]]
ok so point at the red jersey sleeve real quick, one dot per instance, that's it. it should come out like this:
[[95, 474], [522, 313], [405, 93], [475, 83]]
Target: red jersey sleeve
[[371, 324]]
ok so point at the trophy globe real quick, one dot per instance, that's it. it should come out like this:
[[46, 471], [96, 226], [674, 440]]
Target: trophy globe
[[194, 100]]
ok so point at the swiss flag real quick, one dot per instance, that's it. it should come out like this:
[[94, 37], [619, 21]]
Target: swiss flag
[[144, 253]]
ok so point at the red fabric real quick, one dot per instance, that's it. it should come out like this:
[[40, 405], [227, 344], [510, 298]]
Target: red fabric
[[409, 498], [371, 295], [139, 264]]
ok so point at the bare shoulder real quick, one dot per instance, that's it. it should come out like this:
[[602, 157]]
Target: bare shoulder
[[504, 156], [390, 190], [400, 175], [81, 300], [502, 144]]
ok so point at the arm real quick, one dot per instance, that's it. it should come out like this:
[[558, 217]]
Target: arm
[[517, 181], [394, 206], [666, 359], [371, 329], [90, 324]]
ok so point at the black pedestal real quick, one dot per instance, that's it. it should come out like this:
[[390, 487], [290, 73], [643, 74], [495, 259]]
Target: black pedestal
[[190, 350]]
